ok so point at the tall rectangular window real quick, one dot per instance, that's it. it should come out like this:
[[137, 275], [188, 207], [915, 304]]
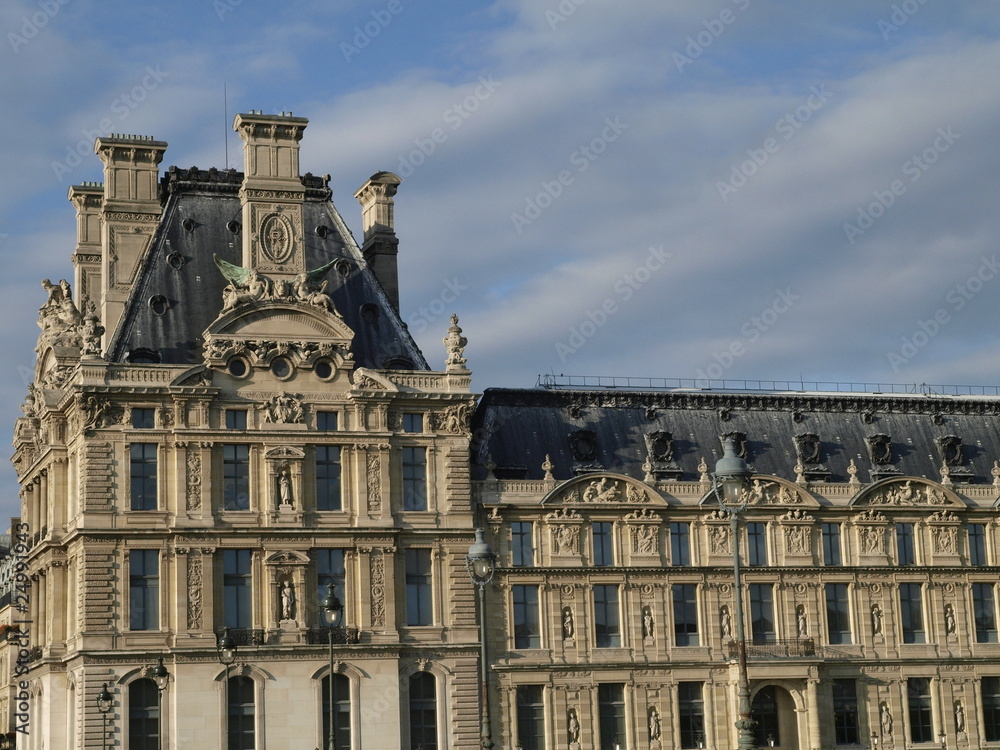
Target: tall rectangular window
[[530, 717], [762, 613], [911, 613], [845, 712], [329, 572], [918, 701], [142, 476], [414, 478], [603, 544], [341, 711], [326, 421], [831, 544], [607, 629], [143, 419], [236, 419], [522, 548], [904, 544], [757, 543], [236, 477], [423, 711], [685, 614], [413, 423], [991, 708], [680, 543], [838, 613], [241, 729], [611, 714], [977, 544], [236, 583], [144, 589], [691, 713], [527, 631], [328, 477], [419, 597], [984, 611]]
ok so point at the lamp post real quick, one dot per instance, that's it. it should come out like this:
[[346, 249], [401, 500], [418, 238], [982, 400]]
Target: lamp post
[[104, 702], [481, 564], [730, 481], [160, 676], [333, 611], [943, 740], [225, 647], [874, 741]]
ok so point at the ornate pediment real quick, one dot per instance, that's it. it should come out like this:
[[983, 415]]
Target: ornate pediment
[[907, 492], [284, 453], [765, 489], [287, 557], [603, 488]]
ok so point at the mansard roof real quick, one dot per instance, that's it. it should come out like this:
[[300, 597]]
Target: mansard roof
[[885, 436], [178, 292]]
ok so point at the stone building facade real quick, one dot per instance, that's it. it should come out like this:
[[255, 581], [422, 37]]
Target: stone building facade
[[869, 546], [228, 419]]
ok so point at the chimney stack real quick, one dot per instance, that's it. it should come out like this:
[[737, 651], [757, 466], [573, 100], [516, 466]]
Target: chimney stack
[[380, 244], [87, 198]]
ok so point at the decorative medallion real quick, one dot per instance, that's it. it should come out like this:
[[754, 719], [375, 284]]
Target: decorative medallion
[[276, 238]]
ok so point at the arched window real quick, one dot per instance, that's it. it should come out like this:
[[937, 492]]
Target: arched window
[[341, 712], [241, 714], [423, 712], [143, 715], [765, 712]]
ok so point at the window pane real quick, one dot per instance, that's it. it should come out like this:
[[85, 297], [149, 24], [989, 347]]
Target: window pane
[[691, 713], [521, 544], [143, 419], [603, 547], [680, 545], [845, 712], [142, 476], [838, 620], [765, 712], [611, 714], [918, 692], [144, 589], [606, 626], [414, 479], [831, 544], [328, 477], [991, 708], [685, 614], [423, 712], [241, 713], [530, 717], [757, 543], [326, 421], [911, 613], [418, 587], [762, 613], [413, 423], [236, 582], [329, 572], [527, 633], [984, 611], [904, 544], [977, 544], [236, 419], [236, 477], [341, 711], [143, 715]]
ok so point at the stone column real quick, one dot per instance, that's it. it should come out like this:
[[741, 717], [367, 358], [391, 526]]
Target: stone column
[[812, 713]]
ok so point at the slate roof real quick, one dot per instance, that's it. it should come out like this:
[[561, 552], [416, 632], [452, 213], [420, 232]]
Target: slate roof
[[517, 428], [200, 207]]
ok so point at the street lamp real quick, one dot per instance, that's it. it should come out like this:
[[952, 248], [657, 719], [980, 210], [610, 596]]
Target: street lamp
[[941, 739], [481, 564], [104, 702], [333, 612], [770, 740], [160, 676], [225, 648], [874, 741], [729, 483]]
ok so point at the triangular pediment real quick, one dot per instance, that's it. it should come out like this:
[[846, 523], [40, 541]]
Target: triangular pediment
[[603, 488], [901, 492]]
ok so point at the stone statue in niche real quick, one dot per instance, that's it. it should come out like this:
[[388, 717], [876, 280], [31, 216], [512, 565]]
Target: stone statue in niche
[[800, 621], [573, 727], [876, 620], [285, 487], [959, 717], [949, 619], [287, 601], [654, 723], [567, 624], [727, 622], [647, 623], [885, 719]]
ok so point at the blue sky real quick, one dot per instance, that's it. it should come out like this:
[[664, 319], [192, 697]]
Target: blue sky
[[696, 188]]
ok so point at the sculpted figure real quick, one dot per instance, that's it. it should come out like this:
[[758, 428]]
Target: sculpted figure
[[885, 719], [285, 487], [727, 623], [800, 621], [654, 724], [567, 623], [573, 726], [287, 601], [876, 620], [949, 619], [647, 623]]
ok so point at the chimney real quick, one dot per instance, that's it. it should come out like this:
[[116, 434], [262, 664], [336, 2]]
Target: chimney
[[272, 193], [87, 198], [130, 212], [380, 244]]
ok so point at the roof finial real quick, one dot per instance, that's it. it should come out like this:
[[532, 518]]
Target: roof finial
[[455, 343]]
